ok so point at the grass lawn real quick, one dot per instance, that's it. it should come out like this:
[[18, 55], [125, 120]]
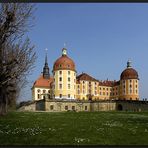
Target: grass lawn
[[71, 128]]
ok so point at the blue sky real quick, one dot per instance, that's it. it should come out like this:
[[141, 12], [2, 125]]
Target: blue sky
[[100, 38]]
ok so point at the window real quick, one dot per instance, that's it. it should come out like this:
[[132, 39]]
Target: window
[[103, 93], [44, 91], [60, 78], [100, 88], [60, 65], [60, 86], [68, 72], [60, 95], [83, 82], [136, 91], [123, 86], [38, 96], [103, 88], [68, 66], [49, 91], [130, 81], [60, 72], [39, 90], [68, 79], [68, 86], [48, 96], [89, 83], [130, 85], [136, 86], [66, 107], [73, 107], [95, 83], [51, 107], [78, 86], [78, 91], [85, 107], [68, 95], [124, 91], [89, 91], [44, 97], [106, 88], [100, 93]]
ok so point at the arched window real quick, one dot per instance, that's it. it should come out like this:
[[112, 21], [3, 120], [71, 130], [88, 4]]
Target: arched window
[[120, 108], [44, 91]]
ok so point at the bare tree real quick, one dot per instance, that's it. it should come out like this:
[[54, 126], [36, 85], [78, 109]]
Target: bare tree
[[17, 57]]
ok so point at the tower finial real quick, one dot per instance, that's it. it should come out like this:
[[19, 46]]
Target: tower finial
[[65, 45], [129, 63], [64, 50]]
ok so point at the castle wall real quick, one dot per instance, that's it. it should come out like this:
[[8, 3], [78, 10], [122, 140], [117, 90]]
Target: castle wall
[[132, 105], [64, 105]]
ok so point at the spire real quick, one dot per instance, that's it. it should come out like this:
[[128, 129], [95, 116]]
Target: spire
[[129, 64], [46, 74], [46, 59]]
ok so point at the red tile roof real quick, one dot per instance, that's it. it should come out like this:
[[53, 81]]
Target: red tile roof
[[109, 83], [42, 82], [85, 77]]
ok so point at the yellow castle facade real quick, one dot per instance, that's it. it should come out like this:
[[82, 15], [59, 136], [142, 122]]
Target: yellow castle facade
[[66, 84]]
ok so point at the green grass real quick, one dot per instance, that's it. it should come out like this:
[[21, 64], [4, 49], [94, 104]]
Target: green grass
[[71, 128]]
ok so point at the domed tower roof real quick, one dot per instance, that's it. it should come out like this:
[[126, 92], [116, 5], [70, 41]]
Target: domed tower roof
[[129, 72], [64, 62]]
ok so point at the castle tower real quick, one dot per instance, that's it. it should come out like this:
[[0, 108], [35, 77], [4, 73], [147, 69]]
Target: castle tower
[[129, 83], [64, 74], [46, 74]]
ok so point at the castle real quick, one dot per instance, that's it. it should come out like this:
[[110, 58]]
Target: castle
[[65, 90], [66, 84]]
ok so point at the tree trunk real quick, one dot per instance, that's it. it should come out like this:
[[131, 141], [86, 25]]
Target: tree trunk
[[3, 102]]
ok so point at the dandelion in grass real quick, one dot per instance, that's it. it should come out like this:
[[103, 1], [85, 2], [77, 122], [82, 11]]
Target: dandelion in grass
[[80, 140]]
